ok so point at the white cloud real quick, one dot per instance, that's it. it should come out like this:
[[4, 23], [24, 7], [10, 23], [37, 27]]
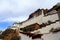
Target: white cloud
[[14, 19]]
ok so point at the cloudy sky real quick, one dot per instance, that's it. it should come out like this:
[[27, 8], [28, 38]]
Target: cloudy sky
[[18, 10]]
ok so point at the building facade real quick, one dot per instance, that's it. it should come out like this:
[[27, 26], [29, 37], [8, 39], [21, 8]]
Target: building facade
[[46, 20]]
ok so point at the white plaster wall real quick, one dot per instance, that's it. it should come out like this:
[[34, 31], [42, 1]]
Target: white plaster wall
[[47, 28], [51, 36], [25, 37], [41, 19], [32, 21], [51, 18], [37, 39]]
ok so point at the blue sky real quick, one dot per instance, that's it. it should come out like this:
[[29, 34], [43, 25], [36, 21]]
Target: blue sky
[[18, 10]]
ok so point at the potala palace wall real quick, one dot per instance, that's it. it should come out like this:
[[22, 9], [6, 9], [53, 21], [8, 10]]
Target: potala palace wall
[[39, 19], [46, 31], [47, 35], [51, 36]]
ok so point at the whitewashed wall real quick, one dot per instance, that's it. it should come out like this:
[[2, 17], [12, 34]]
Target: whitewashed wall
[[25, 37], [32, 21], [41, 19], [51, 36], [47, 28], [37, 39], [51, 18]]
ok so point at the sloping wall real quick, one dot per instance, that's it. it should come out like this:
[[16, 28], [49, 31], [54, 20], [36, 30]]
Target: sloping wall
[[52, 36], [25, 37]]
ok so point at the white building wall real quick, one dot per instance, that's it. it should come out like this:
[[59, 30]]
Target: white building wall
[[50, 17], [32, 21], [25, 37], [51, 36], [47, 28], [37, 39], [41, 19]]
